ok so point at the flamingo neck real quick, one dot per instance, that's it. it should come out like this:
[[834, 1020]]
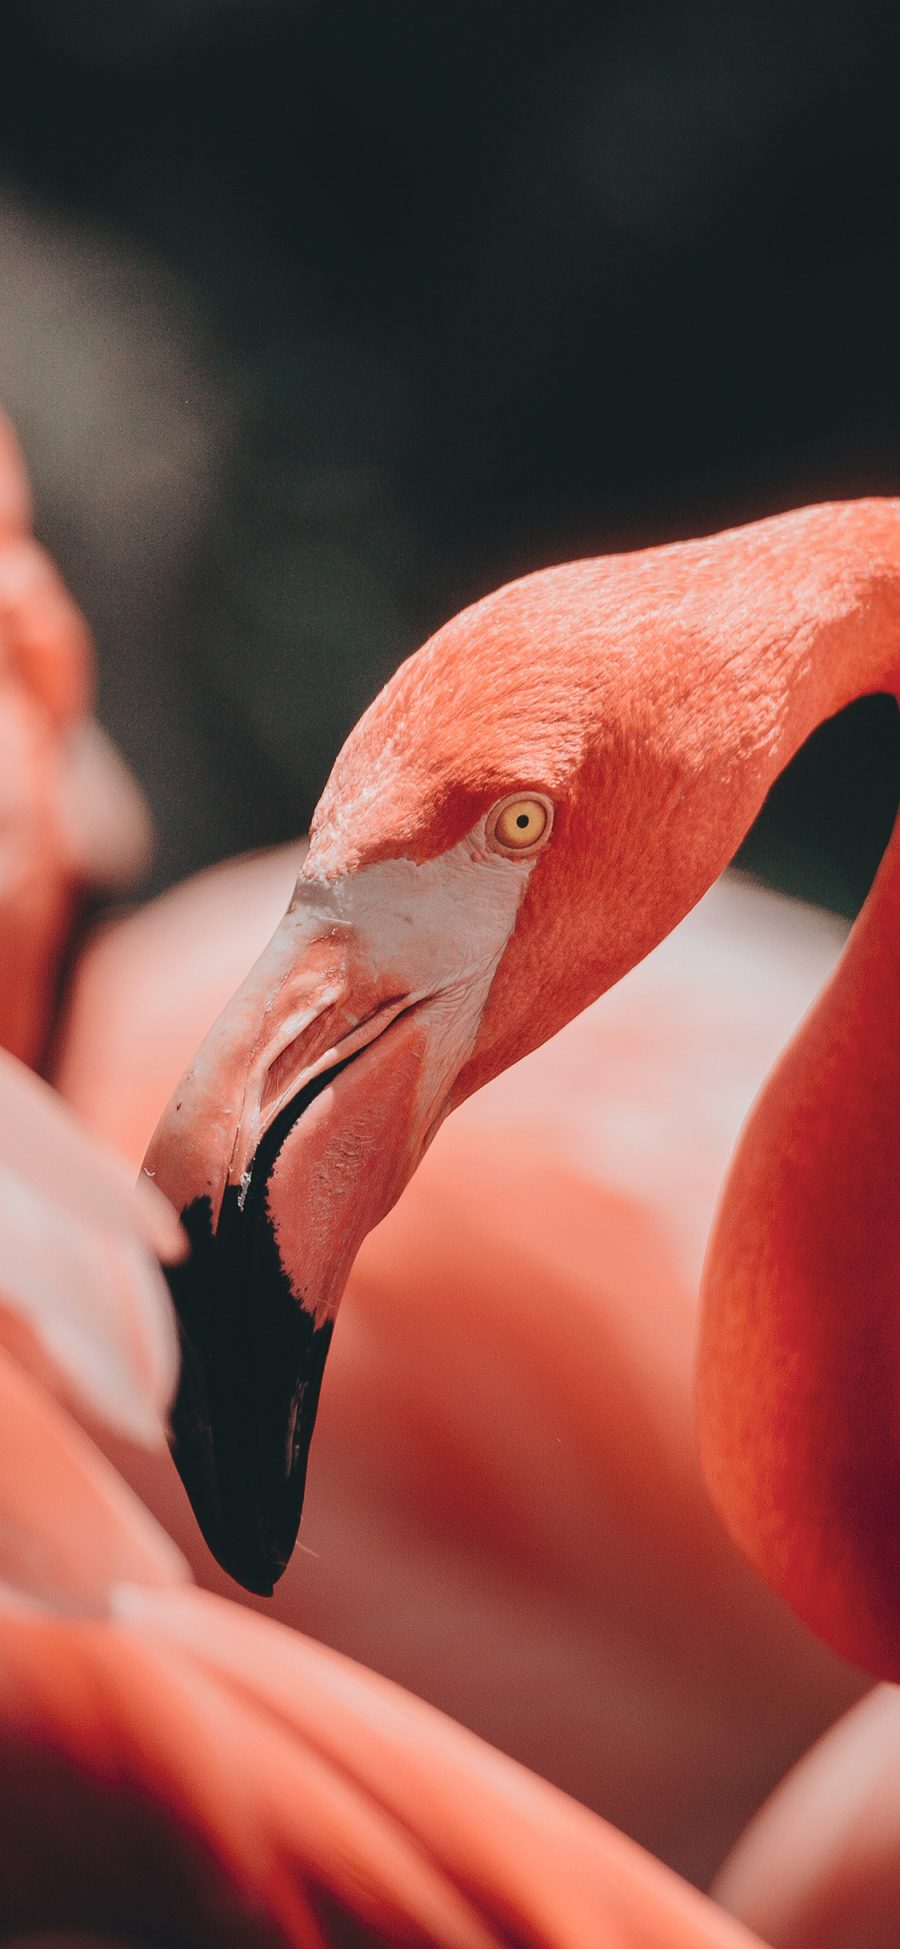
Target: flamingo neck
[[799, 1361]]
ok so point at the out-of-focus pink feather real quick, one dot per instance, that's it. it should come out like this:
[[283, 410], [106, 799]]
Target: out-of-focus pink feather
[[70, 1530], [208, 1776], [70, 813], [819, 1866], [78, 1272]]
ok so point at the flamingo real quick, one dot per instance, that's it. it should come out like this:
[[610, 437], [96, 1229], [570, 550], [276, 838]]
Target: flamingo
[[129, 1657], [534, 801], [199, 1769]]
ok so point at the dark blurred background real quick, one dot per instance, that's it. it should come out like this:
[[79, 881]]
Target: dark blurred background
[[319, 320]]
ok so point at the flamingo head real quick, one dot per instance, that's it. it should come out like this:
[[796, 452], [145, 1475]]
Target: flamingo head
[[533, 801]]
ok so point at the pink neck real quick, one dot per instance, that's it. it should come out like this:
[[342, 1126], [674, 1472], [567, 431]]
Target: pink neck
[[799, 1365]]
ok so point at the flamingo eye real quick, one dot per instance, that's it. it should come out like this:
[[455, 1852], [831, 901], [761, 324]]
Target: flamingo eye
[[520, 824]]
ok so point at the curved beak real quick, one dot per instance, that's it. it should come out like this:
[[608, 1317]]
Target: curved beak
[[304, 1114]]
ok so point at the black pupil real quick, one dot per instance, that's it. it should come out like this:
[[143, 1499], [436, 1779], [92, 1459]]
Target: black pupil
[[522, 819]]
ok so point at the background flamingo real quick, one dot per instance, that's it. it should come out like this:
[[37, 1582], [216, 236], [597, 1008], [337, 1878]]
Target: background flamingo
[[70, 814]]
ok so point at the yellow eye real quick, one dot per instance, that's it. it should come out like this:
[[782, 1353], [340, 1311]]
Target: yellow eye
[[520, 824]]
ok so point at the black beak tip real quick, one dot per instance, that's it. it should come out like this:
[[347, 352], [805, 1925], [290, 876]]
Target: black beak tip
[[255, 1583], [253, 1574], [230, 1537], [251, 1537], [252, 1363]]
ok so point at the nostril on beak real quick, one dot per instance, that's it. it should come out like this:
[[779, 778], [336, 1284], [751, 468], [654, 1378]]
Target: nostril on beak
[[281, 1071], [326, 1041]]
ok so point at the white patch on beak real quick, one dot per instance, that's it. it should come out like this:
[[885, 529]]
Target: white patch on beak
[[444, 922], [395, 953], [401, 936]]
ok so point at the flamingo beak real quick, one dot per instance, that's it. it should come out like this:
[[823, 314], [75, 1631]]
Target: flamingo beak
[[304, 1114]]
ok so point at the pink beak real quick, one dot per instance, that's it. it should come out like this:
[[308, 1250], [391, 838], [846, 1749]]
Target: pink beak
[[303, 1116]]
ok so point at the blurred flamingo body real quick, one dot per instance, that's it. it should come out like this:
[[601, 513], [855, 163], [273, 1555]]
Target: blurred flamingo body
[[70, 814]]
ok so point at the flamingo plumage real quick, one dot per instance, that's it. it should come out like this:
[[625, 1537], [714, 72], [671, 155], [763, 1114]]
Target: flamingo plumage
[[125, 1691], [819, 1865]]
